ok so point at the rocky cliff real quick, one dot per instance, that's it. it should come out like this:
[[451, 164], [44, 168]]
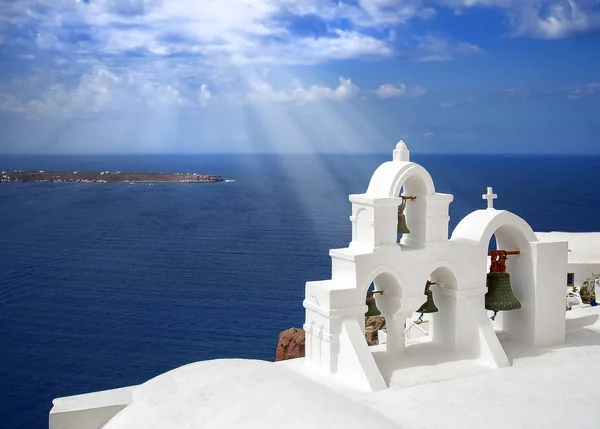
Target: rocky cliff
[[291, 343]]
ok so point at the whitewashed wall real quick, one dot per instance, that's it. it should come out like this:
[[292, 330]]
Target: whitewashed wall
[[582, 272]]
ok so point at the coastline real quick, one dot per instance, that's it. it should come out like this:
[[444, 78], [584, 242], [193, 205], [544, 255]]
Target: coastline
[[19, 176]]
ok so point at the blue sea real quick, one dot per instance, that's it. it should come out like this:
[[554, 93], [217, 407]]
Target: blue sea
[[108, 285]]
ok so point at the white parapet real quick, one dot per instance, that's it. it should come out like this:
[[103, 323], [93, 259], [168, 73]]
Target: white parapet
[[579, 318], [90, 410]]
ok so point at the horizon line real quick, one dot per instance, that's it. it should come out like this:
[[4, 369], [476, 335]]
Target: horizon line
[[417, 153]]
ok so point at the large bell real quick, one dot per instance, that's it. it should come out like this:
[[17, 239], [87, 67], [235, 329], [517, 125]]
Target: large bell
[[428, 306], [373, 310], [499, 296], [402, 228]]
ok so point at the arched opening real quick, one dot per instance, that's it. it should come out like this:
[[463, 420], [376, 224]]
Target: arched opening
[[403, 228], [511, 324], [432, 323], [387, 354], [493, 245], [414, 211], [381, 298], [374, 319], [436, 345]]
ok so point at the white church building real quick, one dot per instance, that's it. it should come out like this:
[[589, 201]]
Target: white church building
[[522, 367]]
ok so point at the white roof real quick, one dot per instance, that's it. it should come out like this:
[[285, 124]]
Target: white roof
[[237, 393], [545, 389], [105, 398], [584, 247]]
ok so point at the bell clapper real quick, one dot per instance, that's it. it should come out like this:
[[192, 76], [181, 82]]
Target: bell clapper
[[416, 322]]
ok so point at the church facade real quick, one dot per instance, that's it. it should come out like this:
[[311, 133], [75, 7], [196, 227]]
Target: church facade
[[399, 271]]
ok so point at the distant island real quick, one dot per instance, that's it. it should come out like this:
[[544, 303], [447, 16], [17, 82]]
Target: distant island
[[19, 176]]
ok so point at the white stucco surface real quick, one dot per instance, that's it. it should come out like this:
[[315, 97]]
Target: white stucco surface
[[584, 247], [246, 394], [90, 410], [584, 252], [549, 388]]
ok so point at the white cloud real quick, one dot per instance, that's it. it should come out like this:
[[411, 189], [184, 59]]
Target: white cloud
[[262, 91], [230, 31], [223, 32], [392, 91], [434, 48], [576, 92], [382, 12], [205, 95], [562, 19], [96, 92], [237, 32], [429, 134], [10, 103], [347, 44], [93, 94], [105, 91], [546, 19]]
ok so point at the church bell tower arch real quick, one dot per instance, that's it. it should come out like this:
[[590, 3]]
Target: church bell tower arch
[[375, 213]]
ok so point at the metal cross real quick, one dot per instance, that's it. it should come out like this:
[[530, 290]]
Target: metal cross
[[490, 197]]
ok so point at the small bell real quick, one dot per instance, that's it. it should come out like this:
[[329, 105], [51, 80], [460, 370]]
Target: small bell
[[402, 227], [499, 296], [373, 310], [428, 306]]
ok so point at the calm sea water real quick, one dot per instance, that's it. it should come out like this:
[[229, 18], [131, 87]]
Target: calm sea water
[[108, 285]]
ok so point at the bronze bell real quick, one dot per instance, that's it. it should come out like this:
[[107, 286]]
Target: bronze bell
[[499, 296], [428, 306], [373, 310], [402, 227]]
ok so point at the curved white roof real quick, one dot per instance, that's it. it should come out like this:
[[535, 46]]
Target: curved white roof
[[390, 176], [423, 393], [479, 225], [236, 393]]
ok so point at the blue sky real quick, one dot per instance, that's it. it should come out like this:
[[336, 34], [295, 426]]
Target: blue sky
[[189, 76]]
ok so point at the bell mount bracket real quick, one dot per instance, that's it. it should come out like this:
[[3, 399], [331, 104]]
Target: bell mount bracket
[[499, 258]]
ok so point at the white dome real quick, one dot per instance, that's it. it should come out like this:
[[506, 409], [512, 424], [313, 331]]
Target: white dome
[[236, 393]]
